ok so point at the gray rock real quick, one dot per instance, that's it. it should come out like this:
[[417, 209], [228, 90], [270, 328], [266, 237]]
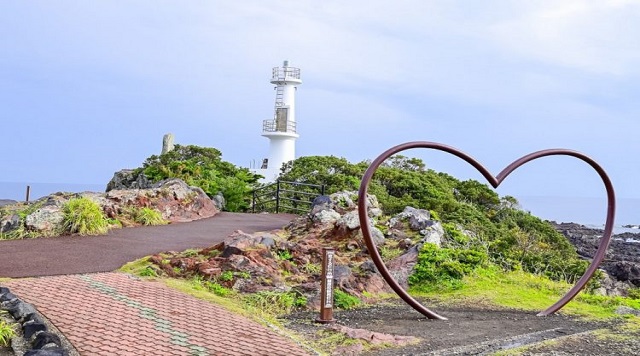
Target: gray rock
[[609, 286], [9, 223], [418, 219], [32, 327], [369, 266], [341, 275], [344, 199], [7, 296], [321, 203], [373, 207], [178, 187], [625, 271], [376, 235], [45, 219], [267, 241], [18, 309], [326, 217], [44, 339], [127, 179], [433, 234], [47, 352], [625, 310], [219, 201], [349, 221]]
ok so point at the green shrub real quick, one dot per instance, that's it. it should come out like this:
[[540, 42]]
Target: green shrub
[[84, 216], [389, 252], [455, 235], [226, 276], [203, 167], [443, 268], [634, 293], [7, 332], [148, 272], [344, 300], [284, 255], [217, 289], [312, 268], [148, 216]]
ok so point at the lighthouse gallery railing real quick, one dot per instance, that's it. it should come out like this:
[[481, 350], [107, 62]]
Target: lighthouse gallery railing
[[278, 126]]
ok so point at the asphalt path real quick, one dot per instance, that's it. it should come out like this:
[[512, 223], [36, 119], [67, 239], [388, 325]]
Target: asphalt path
[[88, 254]]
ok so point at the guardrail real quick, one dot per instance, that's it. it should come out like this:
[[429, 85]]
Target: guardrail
[[285, 197]]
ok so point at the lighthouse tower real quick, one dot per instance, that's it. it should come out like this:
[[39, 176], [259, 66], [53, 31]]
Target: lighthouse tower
[[281, 130]]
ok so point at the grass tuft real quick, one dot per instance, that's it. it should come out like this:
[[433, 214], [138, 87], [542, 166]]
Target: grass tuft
[[149, 217], [84, 216], [7, 332]]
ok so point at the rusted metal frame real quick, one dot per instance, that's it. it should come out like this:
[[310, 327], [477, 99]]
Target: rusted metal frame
[[495, 182]]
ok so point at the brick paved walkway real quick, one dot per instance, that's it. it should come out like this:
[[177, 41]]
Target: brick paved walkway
[[115, 314]]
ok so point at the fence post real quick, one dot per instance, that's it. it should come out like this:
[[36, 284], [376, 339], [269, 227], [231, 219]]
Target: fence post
[[278, 196], [28, 193], [326, 291]]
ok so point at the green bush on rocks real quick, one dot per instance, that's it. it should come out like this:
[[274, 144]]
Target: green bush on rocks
[[84, 216]]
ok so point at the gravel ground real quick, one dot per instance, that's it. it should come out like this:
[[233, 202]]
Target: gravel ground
[[480, 331]]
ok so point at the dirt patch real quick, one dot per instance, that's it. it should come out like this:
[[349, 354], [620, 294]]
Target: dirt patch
[[476, 331]]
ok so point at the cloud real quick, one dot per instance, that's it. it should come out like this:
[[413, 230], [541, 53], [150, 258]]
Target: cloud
[[594, 36]]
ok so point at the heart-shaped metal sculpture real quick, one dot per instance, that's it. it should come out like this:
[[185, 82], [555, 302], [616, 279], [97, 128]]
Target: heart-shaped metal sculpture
[[495, 182]]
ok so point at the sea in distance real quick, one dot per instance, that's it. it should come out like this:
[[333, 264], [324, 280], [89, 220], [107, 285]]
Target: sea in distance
[[582, 210]]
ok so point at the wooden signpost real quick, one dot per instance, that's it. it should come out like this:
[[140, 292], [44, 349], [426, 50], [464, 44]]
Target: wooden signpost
[[326, 291]]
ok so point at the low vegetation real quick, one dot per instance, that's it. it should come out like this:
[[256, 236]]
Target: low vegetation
[[7, 332], [475, 218], [148, 217], [203, 167], [84, 216]]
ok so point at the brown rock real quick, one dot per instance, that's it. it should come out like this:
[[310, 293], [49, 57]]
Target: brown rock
[[238, 242]]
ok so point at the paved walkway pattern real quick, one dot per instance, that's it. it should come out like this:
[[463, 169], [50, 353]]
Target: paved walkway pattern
[[116, 314]]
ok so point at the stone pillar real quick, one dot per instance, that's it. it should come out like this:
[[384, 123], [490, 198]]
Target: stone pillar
[[167, 143]]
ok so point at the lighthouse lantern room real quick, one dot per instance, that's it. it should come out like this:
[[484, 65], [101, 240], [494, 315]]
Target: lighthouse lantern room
[[281, 130]]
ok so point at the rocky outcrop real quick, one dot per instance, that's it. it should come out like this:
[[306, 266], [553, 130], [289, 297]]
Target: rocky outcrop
[[9, 223], [177, 201], [290, 258], [622, 261], [173, 198], [418, 220], [47, 218], [128, 179]]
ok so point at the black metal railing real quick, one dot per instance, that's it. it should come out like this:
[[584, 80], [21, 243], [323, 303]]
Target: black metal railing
[[285, 197]]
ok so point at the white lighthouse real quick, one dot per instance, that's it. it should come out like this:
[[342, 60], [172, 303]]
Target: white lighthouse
[[281, 130]]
